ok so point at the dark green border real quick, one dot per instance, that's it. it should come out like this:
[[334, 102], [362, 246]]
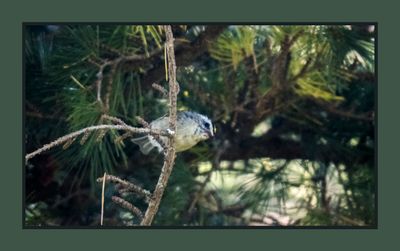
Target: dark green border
[[12, 235]]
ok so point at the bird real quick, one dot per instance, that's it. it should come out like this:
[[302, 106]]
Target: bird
[[191, 128]]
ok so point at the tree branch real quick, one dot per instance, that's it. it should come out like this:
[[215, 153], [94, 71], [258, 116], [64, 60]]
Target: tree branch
[[128, 185], [125, 204], [155, 198], [73, 135], [170, 154]]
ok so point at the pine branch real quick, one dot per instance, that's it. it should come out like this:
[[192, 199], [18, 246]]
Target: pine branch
[[113, 119], [109, 87], [125, 204], [114, 64], [161, 89], [169, 157], [86, 130], [170, 154], [127, 185], [99, 80]]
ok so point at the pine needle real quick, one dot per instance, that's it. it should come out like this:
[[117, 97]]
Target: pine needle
[[76, 81], [166, 63], [102, 198]]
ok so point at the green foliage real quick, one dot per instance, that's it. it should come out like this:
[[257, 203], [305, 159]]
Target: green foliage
[[234, 45], [143, 30], [323, 107]]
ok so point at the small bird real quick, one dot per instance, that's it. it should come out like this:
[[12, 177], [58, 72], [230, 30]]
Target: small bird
[[191, 128]]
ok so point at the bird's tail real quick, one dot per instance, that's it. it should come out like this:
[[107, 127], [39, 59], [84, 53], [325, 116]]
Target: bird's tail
[[147, 143]]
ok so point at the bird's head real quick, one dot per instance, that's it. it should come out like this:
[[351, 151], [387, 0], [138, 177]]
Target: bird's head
[[206, 129], [203, 127]]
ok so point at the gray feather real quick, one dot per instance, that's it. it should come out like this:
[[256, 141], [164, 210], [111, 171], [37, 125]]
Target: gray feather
[[146, 144], [190, 129]]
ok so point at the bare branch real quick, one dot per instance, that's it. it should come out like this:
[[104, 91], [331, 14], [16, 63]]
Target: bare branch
[[128, 185], [126, 135], [295, 37], [170, 154], [215, 165], [125, 204], [73, 135], [113, 119], [43, 116], [142, 122], [110, 49], [109, 86], [169, 149], [161, 89], [333, 109], [303, 70], [115, 63], [99, 80]]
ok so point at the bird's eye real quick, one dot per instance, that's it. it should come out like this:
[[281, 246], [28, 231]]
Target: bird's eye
[[207, 125]]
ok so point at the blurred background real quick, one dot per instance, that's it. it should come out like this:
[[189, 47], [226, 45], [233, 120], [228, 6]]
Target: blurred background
[[293, 106]]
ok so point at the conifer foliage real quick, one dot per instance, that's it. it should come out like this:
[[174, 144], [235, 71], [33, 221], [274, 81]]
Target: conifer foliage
[[293, 106]]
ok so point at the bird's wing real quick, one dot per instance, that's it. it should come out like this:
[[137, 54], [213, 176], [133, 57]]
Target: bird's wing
[[147, 143]]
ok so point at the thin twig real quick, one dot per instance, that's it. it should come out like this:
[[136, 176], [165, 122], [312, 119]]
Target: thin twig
[[199, 192], [161, 89], [170, 152], [110, 49], [125, 204], [99, 80], [114, 64], [119, 139], [128, 185], [215, 166], [109, 86], [143, 122], [72, 135], [303, 70], [43, 116], [113, 119]]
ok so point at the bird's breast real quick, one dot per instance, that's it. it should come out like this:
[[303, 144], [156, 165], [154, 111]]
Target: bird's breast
[[184, 142]]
